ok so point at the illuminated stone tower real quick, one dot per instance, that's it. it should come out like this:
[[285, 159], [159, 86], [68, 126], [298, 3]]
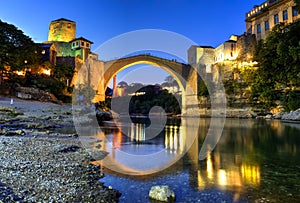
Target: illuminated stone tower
[[62, 30]]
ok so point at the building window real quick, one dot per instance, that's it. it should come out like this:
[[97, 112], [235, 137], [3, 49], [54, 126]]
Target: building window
[[44, 51], [57, 25], [73, 44], [87, 44], [77, 43], [258, 28], [267, 26], [276, 19], [285, 15], [69, 25], [295, 11], [82, 43]]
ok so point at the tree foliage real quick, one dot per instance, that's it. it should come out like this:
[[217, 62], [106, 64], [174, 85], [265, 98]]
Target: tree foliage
[[279, 62], [298, 4], [154, 97], [16, 49]]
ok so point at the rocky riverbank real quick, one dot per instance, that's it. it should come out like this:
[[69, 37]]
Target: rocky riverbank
[[40, 162]]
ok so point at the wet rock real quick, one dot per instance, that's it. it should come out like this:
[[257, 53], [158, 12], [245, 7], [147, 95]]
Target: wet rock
[[97, 154], [66, 148], [293, 116], [36, 94], [98, 146], [278, 115], [269, 116], [162, 193]]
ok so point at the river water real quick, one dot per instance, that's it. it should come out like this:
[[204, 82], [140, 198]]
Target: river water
[[253, 161]]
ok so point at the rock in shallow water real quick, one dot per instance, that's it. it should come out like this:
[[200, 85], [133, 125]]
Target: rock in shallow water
[[293, 116], [162, 193]]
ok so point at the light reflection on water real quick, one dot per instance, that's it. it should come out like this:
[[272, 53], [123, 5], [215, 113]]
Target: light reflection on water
[[254, 159]]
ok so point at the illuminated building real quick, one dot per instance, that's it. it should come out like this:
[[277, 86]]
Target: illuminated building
[[62, 30], [262, 18], [62, 46], [227, 50]]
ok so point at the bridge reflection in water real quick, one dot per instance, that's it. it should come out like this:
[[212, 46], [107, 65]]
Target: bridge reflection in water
[[252, 159], [224, 170]]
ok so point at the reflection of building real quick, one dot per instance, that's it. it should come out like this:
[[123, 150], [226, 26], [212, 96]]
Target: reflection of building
[[262, 18], [223, 171]]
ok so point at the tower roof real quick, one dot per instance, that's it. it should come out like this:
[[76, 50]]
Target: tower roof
[[83, 39], [63, 19]]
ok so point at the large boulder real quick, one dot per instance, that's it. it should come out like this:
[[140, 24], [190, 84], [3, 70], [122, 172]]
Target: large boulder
[[292, 116], [162, 193], [35, 94]]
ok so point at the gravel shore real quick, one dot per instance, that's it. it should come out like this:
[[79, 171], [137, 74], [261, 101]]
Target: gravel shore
[[40, 162]]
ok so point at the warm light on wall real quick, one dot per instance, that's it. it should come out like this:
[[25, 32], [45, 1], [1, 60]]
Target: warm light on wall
[[20, 73], [46, 72]]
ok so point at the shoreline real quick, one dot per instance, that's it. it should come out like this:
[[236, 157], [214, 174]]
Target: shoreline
[[41, 163]]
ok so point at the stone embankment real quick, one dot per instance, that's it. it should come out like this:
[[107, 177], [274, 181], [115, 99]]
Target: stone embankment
[[40, 162], [249, 113]]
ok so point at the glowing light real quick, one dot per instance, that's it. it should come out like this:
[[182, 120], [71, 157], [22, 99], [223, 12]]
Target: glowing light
[[46, 72], [209, 166], [208, 69], [137, 94], [222, 177], [20, 72]]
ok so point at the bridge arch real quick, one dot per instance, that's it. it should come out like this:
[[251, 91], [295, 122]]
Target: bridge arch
[[179, 71]]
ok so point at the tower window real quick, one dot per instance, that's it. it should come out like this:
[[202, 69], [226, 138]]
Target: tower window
[[82, 43], [69, 25], [87, 44]]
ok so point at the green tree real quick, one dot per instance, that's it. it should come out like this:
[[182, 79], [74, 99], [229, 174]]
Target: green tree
[[16, 49], [279, 61], [298, 4]]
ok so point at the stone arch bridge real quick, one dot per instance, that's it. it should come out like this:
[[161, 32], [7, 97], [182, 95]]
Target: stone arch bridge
[[99, 73]]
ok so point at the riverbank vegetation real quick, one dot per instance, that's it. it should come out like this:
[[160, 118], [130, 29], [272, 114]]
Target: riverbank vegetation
[[276, 80], [21, 63]]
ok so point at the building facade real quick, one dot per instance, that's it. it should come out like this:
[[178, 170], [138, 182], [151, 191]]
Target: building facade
[[262, 18], [62, 47]]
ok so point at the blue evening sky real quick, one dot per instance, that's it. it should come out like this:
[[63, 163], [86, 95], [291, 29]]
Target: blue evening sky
[[204, 22]]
